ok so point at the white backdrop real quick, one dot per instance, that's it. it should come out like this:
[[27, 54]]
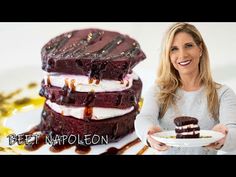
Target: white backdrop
[[20, 45]]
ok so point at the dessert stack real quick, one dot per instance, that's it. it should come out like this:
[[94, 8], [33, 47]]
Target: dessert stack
[[89, 86]]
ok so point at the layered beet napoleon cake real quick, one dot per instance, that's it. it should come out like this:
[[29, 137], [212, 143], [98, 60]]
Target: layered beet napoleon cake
[[89, 85], [187, 127]]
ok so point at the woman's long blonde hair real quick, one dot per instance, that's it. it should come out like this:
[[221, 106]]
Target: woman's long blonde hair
[[168, 78]]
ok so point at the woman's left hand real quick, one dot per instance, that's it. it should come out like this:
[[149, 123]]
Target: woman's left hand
[[220, 143]]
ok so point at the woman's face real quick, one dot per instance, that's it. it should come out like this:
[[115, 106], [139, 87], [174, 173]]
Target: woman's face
[[185, 54]]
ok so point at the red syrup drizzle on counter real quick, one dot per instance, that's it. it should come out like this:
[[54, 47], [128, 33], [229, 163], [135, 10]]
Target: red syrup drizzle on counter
[[40, 141], [116, 151], [80, 149]]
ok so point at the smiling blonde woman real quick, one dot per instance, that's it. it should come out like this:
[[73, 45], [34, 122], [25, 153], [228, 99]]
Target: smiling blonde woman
[[184, 87]]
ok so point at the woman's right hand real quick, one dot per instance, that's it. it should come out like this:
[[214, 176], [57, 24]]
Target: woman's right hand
[[154, 143]]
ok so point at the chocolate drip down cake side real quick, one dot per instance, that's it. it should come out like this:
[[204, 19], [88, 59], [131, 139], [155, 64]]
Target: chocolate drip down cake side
[[89, 85]]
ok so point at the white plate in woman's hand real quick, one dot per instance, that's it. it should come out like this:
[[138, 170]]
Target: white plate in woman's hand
[[206, 137]]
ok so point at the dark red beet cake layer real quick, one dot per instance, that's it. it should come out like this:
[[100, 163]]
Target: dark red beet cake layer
[[96, 53], [119, 99], [114, 128]]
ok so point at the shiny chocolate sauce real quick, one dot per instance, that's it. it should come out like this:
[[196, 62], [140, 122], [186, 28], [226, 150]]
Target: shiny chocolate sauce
[[36, 146], [77, 48], [88, 111], [49, 81], [33, 146], [55, 45], [119, 151], [66, 47], [67, 95], [80, 149], [59, 148]]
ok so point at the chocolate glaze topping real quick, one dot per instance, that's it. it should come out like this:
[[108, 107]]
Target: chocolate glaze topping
[[96, 53]]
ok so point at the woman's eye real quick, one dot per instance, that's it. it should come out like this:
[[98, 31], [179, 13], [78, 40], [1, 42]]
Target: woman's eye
[[173, 49], [189, 45]]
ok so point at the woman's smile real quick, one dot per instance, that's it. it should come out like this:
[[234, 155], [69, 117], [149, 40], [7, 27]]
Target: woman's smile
[[185, 63]]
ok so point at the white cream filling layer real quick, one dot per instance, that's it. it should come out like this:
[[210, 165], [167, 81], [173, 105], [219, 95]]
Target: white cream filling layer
[[189, 133], [81, 83], [187, 126], [97, 112]]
